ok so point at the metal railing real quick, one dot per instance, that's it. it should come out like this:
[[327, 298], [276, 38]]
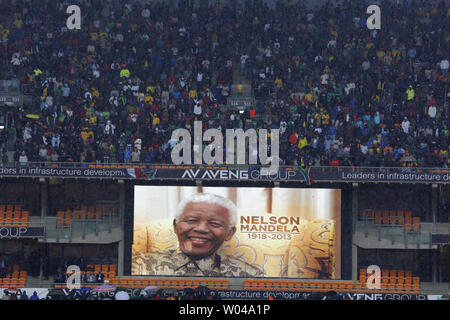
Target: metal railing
[[398, 232], [80, 228]]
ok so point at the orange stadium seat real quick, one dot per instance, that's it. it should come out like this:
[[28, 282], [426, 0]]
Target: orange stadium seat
[[261, 284], [385, 217], [298, 285], [76, 215], [401, 217], [203, 282], [407, 287], [211, 283], [225, 284], [291, 285], [283, 285], [181, 283], [319, 286], [137, 283], [275, 285], [378, 217], [252, 284], [416, 224], [195, 283], [67, 221]]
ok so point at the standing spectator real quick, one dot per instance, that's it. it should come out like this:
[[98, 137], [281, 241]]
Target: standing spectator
[[34, 296], [24, 296], [46, 267], [6, 295], [3, 267], [23, 159]]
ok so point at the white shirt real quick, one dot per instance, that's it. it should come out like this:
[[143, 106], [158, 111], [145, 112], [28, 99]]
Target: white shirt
[[366, 65], [198, 109], [444, 64], [405, 126], [145, 13], [432, 111], [23, 159]]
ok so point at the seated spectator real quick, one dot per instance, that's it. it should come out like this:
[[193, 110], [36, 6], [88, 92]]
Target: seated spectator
[[24, 296], [100, 277], [91, 278]]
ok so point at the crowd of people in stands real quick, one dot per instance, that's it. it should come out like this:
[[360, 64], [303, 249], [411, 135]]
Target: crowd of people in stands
[[340, 93]]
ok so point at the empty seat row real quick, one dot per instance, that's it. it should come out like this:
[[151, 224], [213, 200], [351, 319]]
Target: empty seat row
[[20, 220], [16, 278], [175, 283], [393, 217], [10, 208], [391, 277], [325, 286]]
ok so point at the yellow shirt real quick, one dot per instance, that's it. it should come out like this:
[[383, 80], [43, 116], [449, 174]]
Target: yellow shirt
[[380, 54], [325, 118], [149, 99], [192, 94], [93, 119], [302, 143], [84, 136], [5, 34], [155, 120], [95, 93], [278, 82], [18, 23]]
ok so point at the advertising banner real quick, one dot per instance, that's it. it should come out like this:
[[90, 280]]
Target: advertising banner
[[21, 232], [308, 175], [273, 232]]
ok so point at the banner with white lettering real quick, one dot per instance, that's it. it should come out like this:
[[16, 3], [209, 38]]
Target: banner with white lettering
[[21, 232], [308, 175]]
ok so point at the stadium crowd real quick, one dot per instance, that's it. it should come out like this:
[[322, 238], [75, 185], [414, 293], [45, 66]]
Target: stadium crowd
[[340, 94]]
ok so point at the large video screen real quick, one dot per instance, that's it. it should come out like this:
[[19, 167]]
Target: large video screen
[[237, 232]]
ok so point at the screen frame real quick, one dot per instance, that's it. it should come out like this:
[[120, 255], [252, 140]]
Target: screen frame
[[346, 213]]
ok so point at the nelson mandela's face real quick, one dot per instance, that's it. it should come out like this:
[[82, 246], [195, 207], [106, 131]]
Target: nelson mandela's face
[[202, 228]]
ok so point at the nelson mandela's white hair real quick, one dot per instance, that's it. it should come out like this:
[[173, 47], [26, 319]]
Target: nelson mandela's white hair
[[211, 199]]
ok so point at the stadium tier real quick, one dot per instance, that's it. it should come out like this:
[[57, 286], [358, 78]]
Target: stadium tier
[[135, 150]]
